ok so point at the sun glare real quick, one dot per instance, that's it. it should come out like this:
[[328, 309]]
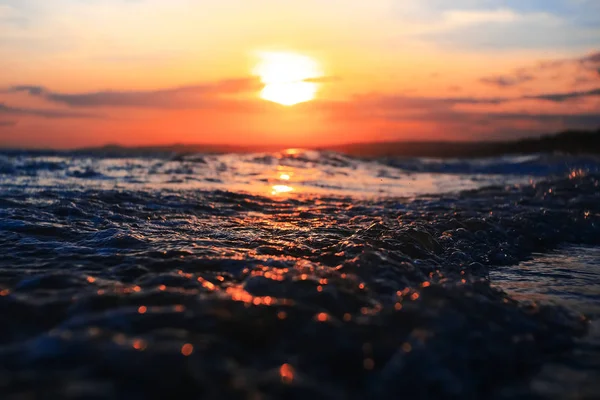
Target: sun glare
[[286, 77]]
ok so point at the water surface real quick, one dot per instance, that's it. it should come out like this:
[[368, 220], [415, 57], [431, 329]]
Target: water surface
[[293, 274]]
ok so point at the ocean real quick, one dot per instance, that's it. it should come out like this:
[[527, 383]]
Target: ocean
[[298, 274]]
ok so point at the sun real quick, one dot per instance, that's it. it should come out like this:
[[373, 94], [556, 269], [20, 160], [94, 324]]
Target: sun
[[287, 77]]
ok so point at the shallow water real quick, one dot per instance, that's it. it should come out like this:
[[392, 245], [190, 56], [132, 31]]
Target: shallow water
[[287, 275], [290, 172], [567, 277]]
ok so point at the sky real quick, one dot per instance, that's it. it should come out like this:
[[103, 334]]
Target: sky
[[79, 73]]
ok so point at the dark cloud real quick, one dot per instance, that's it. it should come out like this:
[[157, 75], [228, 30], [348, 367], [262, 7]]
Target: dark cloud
[[54, 114], [452, 116], [586, 64], [5, 124], [442, 103], [588, 60], [591, 62], [473, 100], [593, 58], [562, 97], [31, 90], [554, 97], [507, 80], [196, 96], [423, 103]]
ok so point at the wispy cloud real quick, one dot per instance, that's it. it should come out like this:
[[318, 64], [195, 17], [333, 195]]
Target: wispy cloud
[[211, 95], [592, 62], [193, 96], [506, 81], [408, 102], [6, 124], [36, 112], [561, 97], [489, 28], [578, 70], [463, 18], [592, 58], [455, 18]]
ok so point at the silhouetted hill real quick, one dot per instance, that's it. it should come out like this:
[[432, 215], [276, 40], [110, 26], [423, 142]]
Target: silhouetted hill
[[568, 142]]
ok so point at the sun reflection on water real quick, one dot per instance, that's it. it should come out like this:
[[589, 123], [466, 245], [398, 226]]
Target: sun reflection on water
[[279, 189], [292, 152]]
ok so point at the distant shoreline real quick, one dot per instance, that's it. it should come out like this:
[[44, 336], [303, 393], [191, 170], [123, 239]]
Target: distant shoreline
[[568, 142], [572, 142]]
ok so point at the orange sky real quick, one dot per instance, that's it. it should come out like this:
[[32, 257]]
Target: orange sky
[[148, 72]]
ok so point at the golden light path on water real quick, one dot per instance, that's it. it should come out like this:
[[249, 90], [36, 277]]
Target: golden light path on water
[[277, 189], [285, 174]]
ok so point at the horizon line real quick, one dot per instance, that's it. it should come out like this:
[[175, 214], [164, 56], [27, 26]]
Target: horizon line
[[281, 147]]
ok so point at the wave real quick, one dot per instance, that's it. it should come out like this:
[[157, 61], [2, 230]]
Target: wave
[[152, 291], [316, 172]]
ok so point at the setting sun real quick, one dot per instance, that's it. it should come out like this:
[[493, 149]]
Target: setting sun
[[286, 76]]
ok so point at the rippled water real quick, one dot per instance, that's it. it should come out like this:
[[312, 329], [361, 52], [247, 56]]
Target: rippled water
[[570, 278], [288, 275], [293, 171]]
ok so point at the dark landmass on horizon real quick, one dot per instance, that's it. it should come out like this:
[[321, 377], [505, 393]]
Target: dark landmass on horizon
[[576, 142], [567, 142]]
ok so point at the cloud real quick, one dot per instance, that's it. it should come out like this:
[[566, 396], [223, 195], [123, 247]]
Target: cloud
[[473, 100], [591, 58], [52, 114], [460, 18], [493, 25], [466, 116], [6, 124], [491, 115], [194, 96], [183, 97], [590, 62], [411, 103], [501, 125], [31, 90], [507, 80], [449, 20], [494, 29], [561, 97], [568, 71], [443, 110]]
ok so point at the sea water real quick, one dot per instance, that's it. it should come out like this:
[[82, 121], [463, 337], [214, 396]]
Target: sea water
[[296, 274]]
